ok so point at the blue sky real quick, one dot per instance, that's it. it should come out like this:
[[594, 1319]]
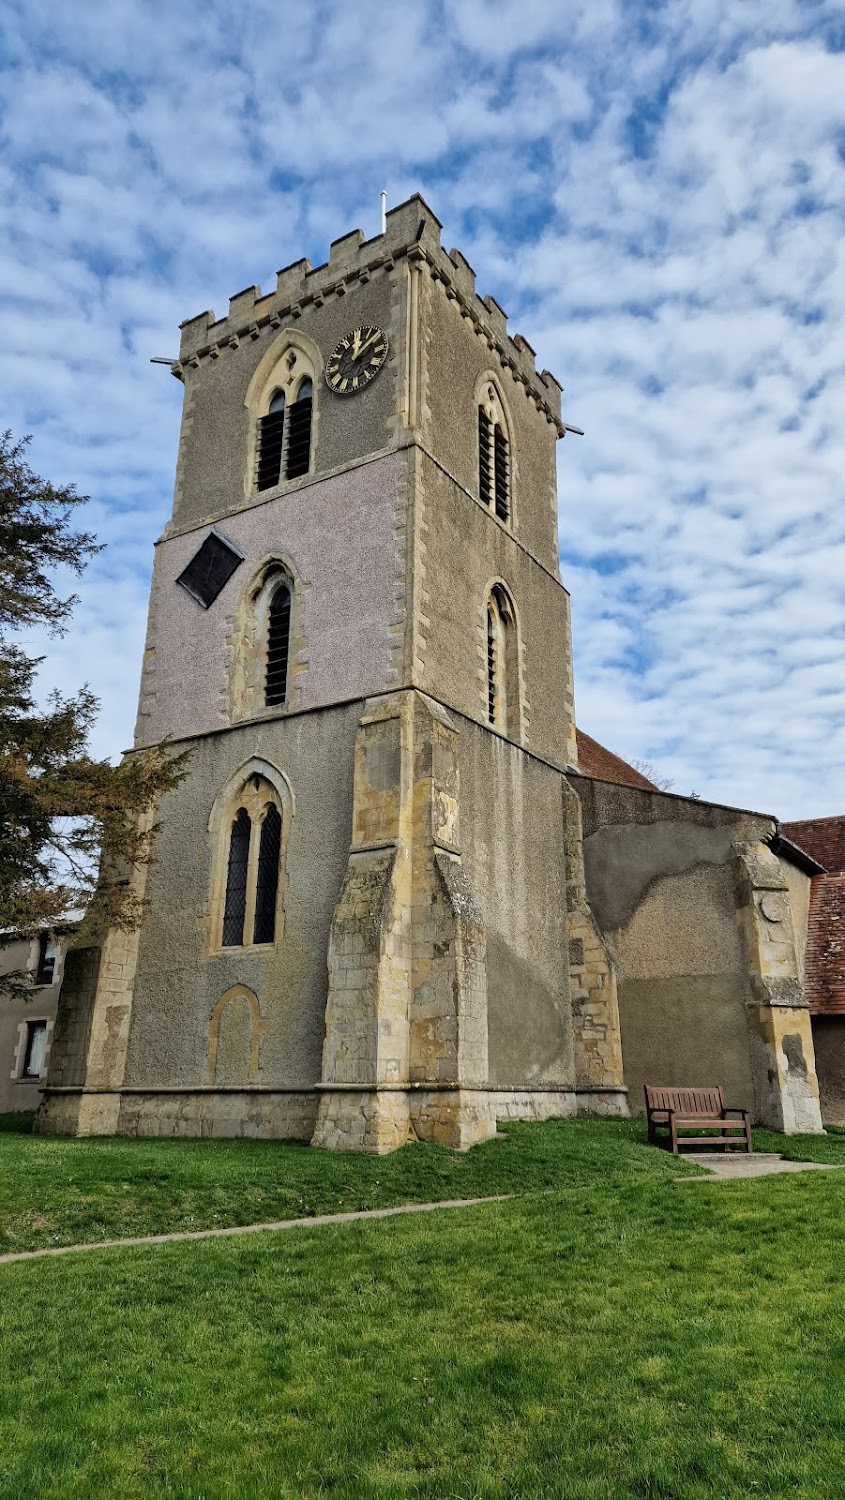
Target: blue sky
[[655, 194]]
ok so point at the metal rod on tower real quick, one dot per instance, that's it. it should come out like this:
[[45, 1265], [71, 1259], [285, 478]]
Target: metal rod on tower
[[384, 213]]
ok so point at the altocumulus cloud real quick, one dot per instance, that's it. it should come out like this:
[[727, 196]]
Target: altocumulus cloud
[[654, 191]]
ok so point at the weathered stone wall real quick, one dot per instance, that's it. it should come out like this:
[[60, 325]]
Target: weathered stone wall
[[462, 551], [214, 475], [447, 957], [829, 1048], [599, 1073], [696, 912], [182, 973], [798, 884], [455, 359], [513, 842], [349, 598]]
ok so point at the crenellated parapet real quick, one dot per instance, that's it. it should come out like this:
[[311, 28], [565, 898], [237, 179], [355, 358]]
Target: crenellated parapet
[[413, 233]]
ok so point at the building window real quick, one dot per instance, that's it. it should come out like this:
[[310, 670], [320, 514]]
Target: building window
[[494, 465], [267, 884], [278, 646], [253, 869], [271, 440], [298, 455], [502, 697], [236, 881], [48, 953], [265, 643], [284, 436], [35, 1051]]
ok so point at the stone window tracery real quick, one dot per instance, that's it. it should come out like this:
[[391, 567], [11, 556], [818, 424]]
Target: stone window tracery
[[283, 449], [254, 832]]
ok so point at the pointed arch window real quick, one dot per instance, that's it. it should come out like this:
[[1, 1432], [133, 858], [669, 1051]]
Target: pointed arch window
[[284, 436], [299, 432], [267, 882], [278, 645], [494, 463], [251, 903], [502, 687], [234, 912]]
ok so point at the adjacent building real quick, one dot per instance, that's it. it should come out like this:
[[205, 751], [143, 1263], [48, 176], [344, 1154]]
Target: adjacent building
[[26, 1025]]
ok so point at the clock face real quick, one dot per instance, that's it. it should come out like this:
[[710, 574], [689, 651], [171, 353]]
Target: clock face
[[356, 360]]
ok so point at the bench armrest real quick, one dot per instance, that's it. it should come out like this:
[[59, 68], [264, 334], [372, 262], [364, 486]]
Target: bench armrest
[[731, 1110]]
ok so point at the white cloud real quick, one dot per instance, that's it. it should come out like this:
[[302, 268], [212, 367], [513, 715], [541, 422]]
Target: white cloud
[[654, 192]]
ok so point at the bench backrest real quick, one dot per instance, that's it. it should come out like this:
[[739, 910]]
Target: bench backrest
[[706, 1103]]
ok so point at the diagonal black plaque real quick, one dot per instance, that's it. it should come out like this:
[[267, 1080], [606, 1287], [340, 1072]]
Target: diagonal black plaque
[[210, 569]]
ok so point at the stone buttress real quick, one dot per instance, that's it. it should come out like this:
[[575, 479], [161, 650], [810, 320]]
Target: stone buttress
[[406, 1016]]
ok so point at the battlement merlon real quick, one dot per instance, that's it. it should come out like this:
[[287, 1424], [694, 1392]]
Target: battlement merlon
[[412, 231]]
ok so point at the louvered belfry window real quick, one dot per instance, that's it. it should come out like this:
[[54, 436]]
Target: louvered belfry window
[[267, 884], [271, 441], [284, 438], [494, 464], [492, 663], [502, 481], [234, 912], [299, 432], [485, 473], [278, 646]]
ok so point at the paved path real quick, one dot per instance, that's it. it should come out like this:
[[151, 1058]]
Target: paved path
[[723, 1167], [211, 1234], [726, 1167]]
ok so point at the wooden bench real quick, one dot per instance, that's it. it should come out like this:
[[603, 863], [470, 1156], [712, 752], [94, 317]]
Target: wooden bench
[[678, 1110]]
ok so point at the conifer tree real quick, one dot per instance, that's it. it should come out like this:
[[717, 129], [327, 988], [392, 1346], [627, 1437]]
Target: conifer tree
[[63, 815]]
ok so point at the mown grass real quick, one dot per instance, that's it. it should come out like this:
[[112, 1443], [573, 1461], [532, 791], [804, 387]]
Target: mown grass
[[63, 1192], [637, 1337]]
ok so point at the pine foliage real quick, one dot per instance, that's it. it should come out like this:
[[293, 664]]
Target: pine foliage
[[64, 817]]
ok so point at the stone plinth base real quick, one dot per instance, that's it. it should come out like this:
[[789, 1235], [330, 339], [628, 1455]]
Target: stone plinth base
[[602, 1104], [532, 1104], [260, 1114], [459, 1118], [374, 1121], [338, 1119]]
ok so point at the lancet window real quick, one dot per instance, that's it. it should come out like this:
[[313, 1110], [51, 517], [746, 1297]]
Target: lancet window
[[494, 463], [278, 644], [263, 641], [502, 697]]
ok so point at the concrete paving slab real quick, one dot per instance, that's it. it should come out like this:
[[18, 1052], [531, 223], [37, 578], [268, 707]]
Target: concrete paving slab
[[728, 1167]]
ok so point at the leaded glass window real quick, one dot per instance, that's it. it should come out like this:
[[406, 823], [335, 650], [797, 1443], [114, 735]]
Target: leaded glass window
[[267, 883], [236, 881]]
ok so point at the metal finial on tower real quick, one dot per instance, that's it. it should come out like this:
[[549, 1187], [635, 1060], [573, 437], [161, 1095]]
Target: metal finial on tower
[[384, 213]]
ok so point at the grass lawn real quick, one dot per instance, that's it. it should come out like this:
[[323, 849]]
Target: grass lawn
[[608, 1334], [62, 1192]]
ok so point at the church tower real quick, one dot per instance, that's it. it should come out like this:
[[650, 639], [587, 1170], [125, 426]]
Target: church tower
[[361, 916]]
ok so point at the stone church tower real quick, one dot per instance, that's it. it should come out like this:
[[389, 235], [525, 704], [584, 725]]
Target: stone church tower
[[366, 918], [385, 903]]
